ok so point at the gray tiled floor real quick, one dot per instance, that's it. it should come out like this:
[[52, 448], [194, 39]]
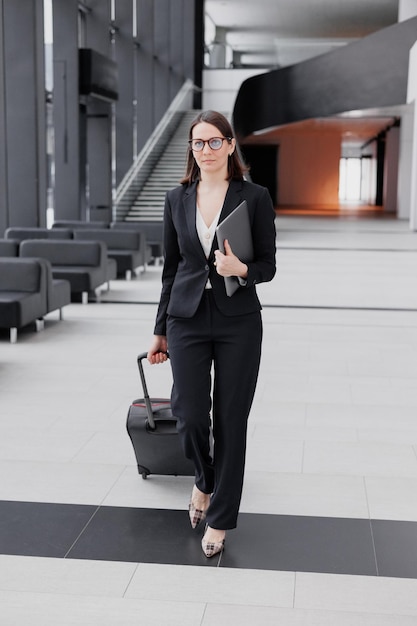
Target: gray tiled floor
[[333, 433]]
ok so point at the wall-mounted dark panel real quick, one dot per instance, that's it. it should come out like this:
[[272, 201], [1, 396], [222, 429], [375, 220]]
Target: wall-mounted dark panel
[[366, 74], [98, 75]]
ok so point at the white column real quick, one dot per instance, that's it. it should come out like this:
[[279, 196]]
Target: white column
[[411, 98], [404, 163], [406, 9], [406, 202], [218, 49]]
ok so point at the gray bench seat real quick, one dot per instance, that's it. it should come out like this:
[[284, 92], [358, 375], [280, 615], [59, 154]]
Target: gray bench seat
[[58, 292], [9, 247], [21, 233], [153, 232], [83, 263], [127, 248], [23, 294], [78, 224]]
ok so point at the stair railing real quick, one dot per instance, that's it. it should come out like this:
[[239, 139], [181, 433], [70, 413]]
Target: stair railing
[[135, 178]]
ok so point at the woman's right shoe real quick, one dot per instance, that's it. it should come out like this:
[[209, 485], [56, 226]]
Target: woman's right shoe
[[211, 548]]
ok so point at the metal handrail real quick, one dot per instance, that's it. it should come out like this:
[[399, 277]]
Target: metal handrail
[[158, 139]]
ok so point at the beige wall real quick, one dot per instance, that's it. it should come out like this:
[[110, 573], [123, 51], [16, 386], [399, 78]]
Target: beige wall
[[308, 170]]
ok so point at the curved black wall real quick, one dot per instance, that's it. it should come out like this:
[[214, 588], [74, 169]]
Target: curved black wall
[[369, 73]]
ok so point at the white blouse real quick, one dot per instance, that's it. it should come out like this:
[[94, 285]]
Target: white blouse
[[206, 234]]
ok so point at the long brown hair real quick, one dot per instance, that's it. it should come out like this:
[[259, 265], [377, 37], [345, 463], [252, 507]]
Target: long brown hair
[[235, 167]]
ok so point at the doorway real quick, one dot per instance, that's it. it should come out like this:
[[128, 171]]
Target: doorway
[[263, 163]]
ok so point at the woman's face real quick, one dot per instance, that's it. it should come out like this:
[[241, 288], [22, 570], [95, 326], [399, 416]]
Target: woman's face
[[208, 159]]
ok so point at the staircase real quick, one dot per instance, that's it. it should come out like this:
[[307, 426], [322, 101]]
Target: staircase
[[168, 171]]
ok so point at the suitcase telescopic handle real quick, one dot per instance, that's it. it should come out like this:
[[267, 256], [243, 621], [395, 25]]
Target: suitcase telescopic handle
[[148, 403]]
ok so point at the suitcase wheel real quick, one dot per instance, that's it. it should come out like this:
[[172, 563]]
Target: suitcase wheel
[[143, 471]]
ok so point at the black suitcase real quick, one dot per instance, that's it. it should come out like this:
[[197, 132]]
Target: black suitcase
[[152, 430]]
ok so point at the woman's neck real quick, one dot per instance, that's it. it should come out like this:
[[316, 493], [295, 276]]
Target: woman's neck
[[211, 183]]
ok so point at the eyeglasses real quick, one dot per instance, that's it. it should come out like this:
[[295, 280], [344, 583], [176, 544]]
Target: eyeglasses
[[215, 143]]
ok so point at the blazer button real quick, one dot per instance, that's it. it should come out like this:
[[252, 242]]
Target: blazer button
[[207, 268]]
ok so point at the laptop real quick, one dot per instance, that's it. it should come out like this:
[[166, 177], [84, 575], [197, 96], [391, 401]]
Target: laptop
[[236, 229]]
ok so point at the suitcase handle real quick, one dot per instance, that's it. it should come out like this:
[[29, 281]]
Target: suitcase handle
[[148, 404]]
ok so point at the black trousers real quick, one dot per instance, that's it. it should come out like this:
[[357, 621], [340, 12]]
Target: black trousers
[[229, 348]]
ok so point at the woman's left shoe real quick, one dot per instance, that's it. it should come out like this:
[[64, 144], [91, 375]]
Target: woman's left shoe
[[196, 515], [211, 548]]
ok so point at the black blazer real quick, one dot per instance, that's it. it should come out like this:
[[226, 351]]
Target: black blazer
[[186, 268]]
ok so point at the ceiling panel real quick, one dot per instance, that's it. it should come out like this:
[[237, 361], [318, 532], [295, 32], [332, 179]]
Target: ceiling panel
[[286, 31]]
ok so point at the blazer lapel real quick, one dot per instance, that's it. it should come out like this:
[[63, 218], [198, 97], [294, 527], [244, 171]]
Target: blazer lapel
[[190, 204], [231, 201]]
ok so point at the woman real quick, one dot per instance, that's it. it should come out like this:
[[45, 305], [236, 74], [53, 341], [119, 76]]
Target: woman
[[204, 329]]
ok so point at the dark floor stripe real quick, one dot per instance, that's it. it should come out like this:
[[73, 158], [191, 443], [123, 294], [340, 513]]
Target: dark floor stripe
[[323, 307], [269, 542], [281, 248], [357, 231], [306, 307]]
